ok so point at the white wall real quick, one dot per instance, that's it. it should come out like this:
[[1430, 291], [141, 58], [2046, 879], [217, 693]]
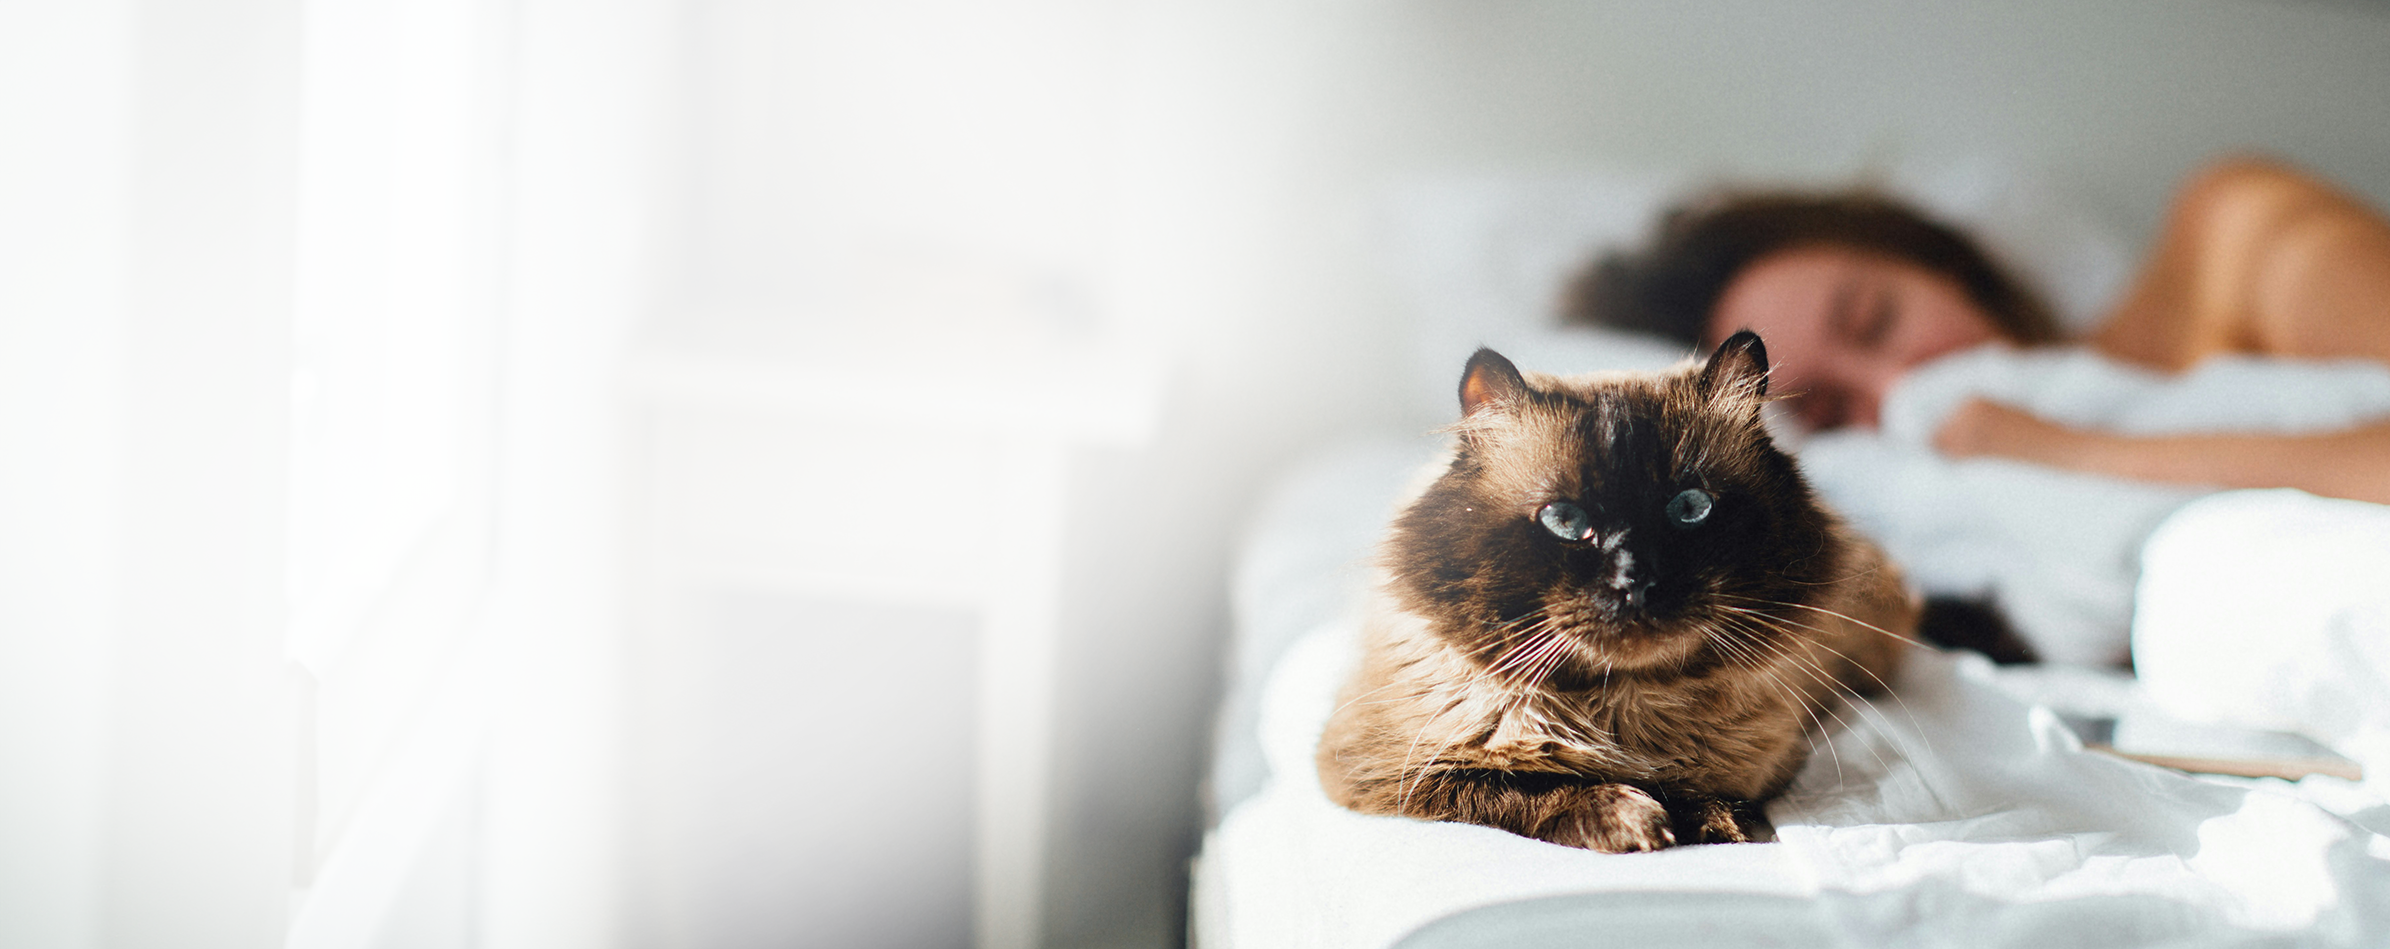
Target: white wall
[[2116, 98], [159, 740]]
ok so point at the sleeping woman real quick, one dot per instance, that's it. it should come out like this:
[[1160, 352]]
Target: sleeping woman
[[1851, 290]]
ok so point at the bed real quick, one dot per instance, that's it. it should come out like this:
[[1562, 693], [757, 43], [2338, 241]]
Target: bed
[[1962, 809]]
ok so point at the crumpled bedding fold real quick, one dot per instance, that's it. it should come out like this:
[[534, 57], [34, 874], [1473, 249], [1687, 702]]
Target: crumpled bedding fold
[[1917, 816]]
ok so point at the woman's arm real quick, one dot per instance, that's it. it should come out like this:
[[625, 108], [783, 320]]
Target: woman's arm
[[2254, 257], [2257, 257], [2350, 463]]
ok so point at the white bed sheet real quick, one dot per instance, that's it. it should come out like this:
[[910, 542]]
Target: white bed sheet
[[1922, 820]]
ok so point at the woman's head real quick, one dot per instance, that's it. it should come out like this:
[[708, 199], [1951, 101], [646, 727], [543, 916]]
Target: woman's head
[[1849, 289]]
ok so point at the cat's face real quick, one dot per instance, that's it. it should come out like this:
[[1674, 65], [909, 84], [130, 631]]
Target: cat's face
[[1626, 523]]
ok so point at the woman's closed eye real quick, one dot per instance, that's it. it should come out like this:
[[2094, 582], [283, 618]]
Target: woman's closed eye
[[1863, 315], [1879, 312]]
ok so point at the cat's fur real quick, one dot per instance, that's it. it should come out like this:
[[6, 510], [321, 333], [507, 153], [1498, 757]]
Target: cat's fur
[[1640, 687]]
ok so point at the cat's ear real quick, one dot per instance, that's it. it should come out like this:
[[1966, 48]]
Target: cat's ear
[[1489, 378], [1738, 368]]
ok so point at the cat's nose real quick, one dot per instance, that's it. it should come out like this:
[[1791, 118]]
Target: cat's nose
[[1633, 593], [1629, 579]]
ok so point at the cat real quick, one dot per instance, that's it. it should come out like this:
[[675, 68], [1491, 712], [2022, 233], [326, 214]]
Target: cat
[[1610, 622]]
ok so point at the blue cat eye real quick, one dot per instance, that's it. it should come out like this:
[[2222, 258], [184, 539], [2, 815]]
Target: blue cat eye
[[1690, 507], [1566, 521]]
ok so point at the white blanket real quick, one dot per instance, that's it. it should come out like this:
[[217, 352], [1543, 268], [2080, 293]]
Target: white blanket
[[2271, 609], [2059, 551]]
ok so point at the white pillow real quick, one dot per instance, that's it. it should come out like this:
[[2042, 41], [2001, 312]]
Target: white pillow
[[1485, 258]]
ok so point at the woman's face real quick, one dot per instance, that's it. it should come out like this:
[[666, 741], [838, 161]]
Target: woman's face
[[1842, 325]]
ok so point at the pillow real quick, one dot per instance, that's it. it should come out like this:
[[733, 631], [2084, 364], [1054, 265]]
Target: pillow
[[1484, 257]]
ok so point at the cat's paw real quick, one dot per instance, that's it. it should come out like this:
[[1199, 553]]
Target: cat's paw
[[1720, 821], [1614, 818]]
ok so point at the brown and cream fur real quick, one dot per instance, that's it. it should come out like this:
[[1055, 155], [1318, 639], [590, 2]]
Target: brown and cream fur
[[1645, 684]]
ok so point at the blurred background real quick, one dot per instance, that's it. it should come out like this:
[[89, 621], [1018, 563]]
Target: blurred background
[[727, 473]]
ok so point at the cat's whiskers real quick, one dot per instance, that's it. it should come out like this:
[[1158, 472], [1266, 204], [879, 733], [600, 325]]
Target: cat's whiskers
[[1538, 623], [1412, 780], [1841, 616], [1559, 656], [1917, 726], [1779, 651], [1527, 651], [1517, 655], [1872, 570], [1531, 673], [1541, 635], [1879, 681], [1776, 657], [1537, 655], [1835, 690], [1356, 700], [1717, 630], [1768, 675], [1558, 650], [1883, 728]]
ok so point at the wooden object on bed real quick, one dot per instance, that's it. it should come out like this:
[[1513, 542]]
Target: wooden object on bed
[[2286, 768]]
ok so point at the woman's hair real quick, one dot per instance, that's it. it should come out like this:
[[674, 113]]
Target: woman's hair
[[1669, 286]]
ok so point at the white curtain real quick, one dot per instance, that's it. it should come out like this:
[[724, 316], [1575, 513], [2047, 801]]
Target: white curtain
[[308, 321]]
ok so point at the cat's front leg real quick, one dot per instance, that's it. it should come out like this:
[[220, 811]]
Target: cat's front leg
[[1562, 809], [1717, 820], [1621, 818], [1612, 818]]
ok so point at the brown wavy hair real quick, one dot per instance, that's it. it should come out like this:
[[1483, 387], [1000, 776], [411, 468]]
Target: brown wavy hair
[[1669, 286]]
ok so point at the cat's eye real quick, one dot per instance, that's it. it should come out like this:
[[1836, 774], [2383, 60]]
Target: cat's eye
[[1690, 507], [1566, 521]]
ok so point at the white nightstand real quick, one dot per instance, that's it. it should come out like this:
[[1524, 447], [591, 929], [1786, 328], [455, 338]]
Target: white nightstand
[[845, 568]]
